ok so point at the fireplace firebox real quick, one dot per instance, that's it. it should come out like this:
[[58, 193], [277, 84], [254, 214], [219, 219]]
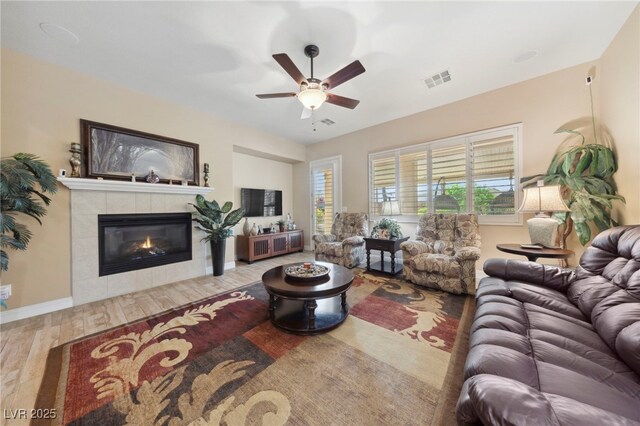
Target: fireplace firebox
[[128, 242]]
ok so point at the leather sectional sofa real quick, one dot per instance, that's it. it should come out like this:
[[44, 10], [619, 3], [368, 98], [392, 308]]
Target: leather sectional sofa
[[553, 346]]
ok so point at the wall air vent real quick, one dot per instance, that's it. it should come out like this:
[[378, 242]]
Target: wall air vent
[[328, 122], [437, 79]]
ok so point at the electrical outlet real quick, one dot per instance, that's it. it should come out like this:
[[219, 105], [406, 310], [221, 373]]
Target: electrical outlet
[[5, 291], [588, 80], [344, 210]]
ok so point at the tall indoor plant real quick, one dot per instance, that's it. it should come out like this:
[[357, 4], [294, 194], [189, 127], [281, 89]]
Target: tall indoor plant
[[583, 166], [24, 181], [216, 222]]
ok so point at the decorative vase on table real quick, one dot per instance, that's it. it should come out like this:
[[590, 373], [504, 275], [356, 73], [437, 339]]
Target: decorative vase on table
[[246, 228], [218, 247], [254, 230]]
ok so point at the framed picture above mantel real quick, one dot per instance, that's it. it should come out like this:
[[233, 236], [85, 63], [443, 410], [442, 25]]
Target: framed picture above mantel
[[112, 152]]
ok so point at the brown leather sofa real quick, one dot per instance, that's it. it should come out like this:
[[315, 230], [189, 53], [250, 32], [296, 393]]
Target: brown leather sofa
[[553, 346]]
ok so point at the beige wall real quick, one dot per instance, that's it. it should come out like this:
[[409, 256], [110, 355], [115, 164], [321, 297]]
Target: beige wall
[[42, 104], [254, 172], [541, 104], [620, 111]]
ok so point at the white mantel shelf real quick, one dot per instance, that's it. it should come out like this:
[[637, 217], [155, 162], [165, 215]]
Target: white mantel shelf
[[125, 186]]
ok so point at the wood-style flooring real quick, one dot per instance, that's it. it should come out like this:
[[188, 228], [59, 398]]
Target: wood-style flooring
[[24, 344]]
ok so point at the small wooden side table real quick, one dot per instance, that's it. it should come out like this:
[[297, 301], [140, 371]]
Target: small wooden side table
[[533, 254], [391, 246]]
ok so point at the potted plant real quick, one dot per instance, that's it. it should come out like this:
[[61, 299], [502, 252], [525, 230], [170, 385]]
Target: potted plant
[[281, 224], [584, 170], [24, 180], [386, 229], [216, 222]]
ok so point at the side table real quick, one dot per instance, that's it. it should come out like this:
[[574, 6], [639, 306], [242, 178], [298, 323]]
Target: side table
[[533, 254], [391, 246]]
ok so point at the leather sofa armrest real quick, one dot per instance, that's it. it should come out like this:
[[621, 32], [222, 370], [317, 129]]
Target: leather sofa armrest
[[353, 241], [467, 253], [549, 276], [414, 248], [323, 238], [498, 400]]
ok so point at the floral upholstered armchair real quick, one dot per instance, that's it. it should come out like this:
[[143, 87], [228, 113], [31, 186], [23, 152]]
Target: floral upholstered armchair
[[345, 245], [444, 254]]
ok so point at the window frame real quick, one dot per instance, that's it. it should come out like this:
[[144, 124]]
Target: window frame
[[335, 163], [467, 140]]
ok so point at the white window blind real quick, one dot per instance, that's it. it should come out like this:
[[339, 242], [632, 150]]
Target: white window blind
[[477, 172], [325, 193], [449, 174], [493, 161]]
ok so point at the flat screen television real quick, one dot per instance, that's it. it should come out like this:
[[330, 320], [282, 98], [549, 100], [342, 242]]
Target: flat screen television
[[261, 202]]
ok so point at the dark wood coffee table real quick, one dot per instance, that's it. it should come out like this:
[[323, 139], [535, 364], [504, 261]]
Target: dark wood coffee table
[[308, 306]]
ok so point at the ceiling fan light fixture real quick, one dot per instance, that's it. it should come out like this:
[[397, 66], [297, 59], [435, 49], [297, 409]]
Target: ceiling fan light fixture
[[312, 98]]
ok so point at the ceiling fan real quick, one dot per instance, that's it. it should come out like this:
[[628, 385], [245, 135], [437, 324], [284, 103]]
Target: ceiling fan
[[313, 92]]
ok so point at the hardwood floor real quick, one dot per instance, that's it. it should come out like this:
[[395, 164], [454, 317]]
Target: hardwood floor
[[24, 344]]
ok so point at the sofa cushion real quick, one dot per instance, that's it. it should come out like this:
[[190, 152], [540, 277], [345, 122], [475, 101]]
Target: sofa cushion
[[437, 264], [610, 264], [330, 249]]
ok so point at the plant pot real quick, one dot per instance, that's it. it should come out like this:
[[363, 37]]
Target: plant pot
[[281, 228], [217, 256]]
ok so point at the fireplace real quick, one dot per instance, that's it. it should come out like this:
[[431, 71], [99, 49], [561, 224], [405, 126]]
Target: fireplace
[[127, 242]]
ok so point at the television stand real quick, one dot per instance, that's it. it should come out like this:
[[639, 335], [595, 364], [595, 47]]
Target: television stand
[[255, 247]]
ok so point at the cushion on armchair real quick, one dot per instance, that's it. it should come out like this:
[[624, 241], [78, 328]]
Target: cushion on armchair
[[436, 263]]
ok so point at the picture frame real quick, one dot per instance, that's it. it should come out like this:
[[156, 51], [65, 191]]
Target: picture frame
[[112, 152]]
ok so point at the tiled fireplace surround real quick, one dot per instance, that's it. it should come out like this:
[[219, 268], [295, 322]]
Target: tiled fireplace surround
[[89, 198]]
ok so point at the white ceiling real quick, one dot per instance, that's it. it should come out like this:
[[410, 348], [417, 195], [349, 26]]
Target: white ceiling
[[215, 56]]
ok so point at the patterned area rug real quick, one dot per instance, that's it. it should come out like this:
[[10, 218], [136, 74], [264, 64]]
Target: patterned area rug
[[397, 359]]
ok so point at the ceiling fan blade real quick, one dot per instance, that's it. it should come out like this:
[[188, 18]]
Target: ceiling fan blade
[[352, 70], [285, 62], [276, 95], [306, 113], [342, 101]]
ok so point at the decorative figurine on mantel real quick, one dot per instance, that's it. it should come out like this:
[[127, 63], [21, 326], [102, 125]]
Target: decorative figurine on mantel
[[75, 161], [152, 177], [206, 174]]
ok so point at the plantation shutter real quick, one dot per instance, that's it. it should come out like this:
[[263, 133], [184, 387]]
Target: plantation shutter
[[413, 183], [449, 179], [493, 170], [383, 183], [322, 182]]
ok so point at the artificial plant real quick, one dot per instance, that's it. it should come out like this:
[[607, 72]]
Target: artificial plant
[[392, 227], [584, 167], [24, 181], [214, 220]]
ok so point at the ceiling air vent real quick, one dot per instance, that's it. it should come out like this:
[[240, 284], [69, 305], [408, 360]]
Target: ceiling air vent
[[328, 122], [437, 79]]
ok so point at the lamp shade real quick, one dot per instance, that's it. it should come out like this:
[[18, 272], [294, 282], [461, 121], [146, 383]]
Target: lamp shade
[[312, 98], [543, 199], [390, 208], [543, 230]]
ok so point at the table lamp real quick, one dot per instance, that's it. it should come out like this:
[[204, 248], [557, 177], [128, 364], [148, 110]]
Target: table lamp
[[543, 230]]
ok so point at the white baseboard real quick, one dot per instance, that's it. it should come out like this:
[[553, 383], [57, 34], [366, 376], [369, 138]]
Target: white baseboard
[[227, 266], [35, 310]]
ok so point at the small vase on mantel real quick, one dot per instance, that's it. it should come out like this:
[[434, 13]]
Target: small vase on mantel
[[246, 228], [254, 230]]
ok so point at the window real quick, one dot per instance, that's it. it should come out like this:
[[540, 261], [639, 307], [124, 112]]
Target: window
[[476, 172], [325, 185]]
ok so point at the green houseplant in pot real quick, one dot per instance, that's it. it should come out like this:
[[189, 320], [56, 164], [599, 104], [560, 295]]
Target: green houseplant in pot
[[583, 166], [216, 222], [386, 229], [24, 182]]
